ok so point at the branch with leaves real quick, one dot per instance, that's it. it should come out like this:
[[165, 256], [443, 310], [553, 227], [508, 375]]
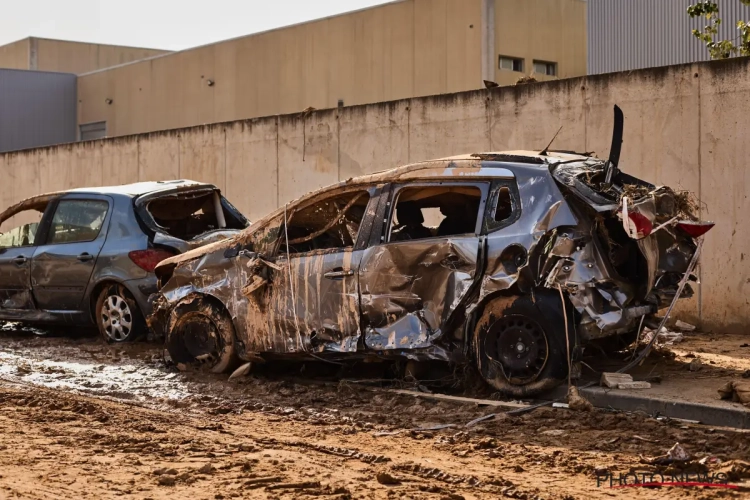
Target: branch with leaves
[[720, 49]]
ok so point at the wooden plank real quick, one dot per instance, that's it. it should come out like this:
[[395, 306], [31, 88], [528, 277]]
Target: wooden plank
[[458, 399]]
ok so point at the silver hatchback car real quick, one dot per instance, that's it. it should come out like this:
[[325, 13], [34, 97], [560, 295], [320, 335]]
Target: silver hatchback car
[[86, 256]]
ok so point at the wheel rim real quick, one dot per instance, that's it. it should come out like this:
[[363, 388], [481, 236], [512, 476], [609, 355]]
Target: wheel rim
[[201, 342], [519, 345], [117, 318]]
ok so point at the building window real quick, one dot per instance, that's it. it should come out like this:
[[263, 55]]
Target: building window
[[511, 64], [92, 131], [545, 68]]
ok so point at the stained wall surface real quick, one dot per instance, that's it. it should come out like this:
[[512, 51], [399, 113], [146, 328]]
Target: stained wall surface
[[398, 50], [44, 54], [685, 126]]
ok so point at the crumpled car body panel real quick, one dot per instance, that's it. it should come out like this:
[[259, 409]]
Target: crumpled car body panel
[[417, 298]]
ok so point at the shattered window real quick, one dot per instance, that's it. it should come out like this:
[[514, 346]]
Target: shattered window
[[20, 230], [504, 210], [330, 223], [190, 214], [435, 211], [77, 221]]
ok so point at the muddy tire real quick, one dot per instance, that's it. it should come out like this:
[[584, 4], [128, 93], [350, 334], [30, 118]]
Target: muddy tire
[[200, 336], [519, 344], [117, 315]]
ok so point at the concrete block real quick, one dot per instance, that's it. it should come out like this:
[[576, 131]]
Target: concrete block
[[612, 380], [634, 385]]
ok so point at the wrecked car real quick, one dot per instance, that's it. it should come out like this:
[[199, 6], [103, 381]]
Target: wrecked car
[[511, 261], [87, 256]]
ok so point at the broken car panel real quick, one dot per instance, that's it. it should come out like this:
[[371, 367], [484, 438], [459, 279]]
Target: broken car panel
[[513, 260], [87, 255]]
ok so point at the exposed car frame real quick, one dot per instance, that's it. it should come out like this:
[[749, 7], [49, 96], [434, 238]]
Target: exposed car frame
[[586, 253]]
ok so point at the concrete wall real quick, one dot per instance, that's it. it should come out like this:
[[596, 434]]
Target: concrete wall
[[393, 51], [68, 57], [685, 126]]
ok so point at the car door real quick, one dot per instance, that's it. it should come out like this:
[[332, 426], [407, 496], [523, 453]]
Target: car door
[[62, 266], [17, 246], [314, 298], [427, 258]]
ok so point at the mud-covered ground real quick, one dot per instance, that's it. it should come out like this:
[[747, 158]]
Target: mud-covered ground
[[80, 419]]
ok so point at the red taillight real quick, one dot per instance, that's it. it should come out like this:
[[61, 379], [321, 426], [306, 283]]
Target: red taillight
[[148, 259], [641, 223], [695, 229]]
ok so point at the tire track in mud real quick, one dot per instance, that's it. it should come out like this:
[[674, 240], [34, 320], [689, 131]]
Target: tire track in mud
[[64, 408]]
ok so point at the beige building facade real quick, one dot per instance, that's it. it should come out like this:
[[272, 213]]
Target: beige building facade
[[62, 56], [402, 49]]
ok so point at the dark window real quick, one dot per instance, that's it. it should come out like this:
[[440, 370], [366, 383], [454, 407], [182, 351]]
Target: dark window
[[504, 210], [77, 221], [191, 213], [511, 64], [331, 223], [503, 206], [545, 68], [435, 211], [92, 131]]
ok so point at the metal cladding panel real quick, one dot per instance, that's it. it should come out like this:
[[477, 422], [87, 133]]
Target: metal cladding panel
[[36, 109], [635, 34]]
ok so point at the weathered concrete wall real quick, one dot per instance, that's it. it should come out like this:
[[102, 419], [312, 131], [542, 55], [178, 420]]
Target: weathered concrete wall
[[685, 126]]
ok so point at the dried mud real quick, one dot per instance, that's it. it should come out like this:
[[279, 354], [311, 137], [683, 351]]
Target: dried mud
[[81, 419]]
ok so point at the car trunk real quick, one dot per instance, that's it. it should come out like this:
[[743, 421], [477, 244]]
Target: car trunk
[[184, 219], [646, 234]]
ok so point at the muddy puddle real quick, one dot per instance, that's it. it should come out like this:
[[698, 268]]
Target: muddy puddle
[[82, 363], [136, 373]]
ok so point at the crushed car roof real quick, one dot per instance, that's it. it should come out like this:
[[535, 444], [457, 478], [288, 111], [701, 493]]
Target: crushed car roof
[[466, 164]]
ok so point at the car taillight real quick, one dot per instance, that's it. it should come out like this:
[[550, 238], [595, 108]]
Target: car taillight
[[148, 259], [641, 224], [695, 229]]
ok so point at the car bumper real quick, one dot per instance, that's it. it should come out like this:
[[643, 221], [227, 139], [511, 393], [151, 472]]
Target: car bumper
[[142, 289]]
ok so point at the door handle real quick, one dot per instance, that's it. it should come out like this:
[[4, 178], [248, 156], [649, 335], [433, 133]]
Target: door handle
[[20, 260], [85, 257], [338, 273]]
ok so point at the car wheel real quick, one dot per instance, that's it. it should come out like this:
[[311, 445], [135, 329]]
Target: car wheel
[[519, 345], [118, 316], [200, 336]]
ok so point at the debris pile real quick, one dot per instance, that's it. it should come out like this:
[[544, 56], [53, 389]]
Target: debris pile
[[737, 391]]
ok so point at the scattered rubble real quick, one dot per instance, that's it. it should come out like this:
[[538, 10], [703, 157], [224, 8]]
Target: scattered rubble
[[685, 327], [737, 391], [578, 402], [665, 338]]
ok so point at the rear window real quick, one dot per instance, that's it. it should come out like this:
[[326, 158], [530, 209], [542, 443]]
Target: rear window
[[190, 214]]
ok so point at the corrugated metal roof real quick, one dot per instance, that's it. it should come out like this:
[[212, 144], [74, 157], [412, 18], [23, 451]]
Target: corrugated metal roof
[[635, 34]]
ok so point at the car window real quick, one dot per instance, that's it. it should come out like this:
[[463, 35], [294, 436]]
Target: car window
[[503, 207], [434, 211], [77, 221], [330, 223], [20, 230]]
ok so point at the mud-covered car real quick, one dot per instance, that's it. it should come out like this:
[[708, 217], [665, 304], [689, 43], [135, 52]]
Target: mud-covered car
[[480, 258], [87, 256]]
